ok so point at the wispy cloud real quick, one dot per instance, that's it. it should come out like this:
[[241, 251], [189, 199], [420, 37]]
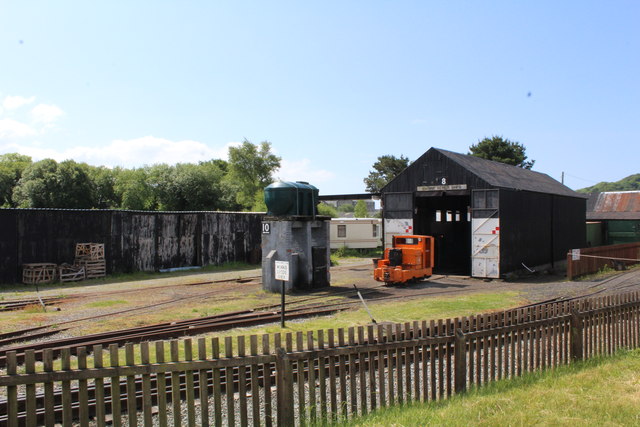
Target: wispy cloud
[[12, 129], [302, 170], [15, 102], [46, 114], [129, 153]]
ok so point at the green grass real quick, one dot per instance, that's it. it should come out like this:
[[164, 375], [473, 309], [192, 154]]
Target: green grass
[[597, 392], [348, 253], [108, 303]]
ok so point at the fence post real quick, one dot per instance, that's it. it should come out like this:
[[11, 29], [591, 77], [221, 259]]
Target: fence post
[[284, 387], [576, 336], [569, 266], [460, 367]]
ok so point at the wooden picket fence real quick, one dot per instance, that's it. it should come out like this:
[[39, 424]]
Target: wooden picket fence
[[319, 376]]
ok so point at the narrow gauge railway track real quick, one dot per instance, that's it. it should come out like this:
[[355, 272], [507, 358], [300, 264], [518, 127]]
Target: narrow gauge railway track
[[242, 280], [18, 304], [164, 331], [54, 328], [21, 303], [618, 282]]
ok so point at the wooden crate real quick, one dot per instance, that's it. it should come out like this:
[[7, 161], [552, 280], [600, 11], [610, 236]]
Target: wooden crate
[[71, 273], [92, 251], [93, 269], [43, 272]]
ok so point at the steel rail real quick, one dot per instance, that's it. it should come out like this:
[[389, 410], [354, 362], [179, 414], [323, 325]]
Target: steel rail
[[150, 333]]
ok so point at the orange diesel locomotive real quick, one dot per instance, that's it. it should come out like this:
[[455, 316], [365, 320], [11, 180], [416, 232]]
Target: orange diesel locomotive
[[410, 259]]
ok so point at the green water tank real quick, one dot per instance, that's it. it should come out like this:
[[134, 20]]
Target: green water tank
[[291, 198]]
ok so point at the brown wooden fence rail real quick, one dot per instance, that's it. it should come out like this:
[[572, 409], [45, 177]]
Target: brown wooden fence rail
[[594, 259], [294, 379]]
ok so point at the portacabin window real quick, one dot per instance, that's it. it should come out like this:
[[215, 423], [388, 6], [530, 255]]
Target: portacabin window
[[375, 230], [342, 231]]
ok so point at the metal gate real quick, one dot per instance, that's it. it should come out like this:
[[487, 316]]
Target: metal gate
[[485, 234]]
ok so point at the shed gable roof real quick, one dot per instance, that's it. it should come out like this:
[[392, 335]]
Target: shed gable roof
[[502, 175]]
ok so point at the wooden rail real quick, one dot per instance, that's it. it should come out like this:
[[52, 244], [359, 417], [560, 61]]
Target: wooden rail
[[326, 375]]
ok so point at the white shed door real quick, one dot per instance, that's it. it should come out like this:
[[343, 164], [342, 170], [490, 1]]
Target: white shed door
[[485, 247]]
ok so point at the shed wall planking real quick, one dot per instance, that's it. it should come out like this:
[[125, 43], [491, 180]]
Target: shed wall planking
[[134, 241], [538, 229], [570, 225], [8, 245], [525, 229]]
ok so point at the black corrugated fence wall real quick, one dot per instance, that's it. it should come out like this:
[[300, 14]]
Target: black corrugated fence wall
[[134, 240]]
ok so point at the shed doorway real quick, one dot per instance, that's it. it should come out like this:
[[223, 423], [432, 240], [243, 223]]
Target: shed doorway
[[447, 219]]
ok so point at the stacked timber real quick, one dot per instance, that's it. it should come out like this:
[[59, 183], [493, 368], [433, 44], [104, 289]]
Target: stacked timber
[[70, 273], [91, 257], [35, 273]]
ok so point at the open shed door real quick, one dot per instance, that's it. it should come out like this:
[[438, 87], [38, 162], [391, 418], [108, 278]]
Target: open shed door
[[485, 234]]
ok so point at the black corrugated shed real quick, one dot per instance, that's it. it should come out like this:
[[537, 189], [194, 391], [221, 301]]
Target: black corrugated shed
[[489, 218]]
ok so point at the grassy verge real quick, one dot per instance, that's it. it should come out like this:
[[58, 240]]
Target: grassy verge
[[597, 392]]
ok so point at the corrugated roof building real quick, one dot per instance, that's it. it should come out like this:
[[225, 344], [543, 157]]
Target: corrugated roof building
[[614, 217], [488, 218], [624, 205]]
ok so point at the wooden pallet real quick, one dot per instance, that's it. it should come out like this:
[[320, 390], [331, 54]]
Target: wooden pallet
[[92, 251], [93, 269], [71, 273], [43, 272]]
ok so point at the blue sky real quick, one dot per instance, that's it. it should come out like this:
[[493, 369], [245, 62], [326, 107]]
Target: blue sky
[[332, 85]]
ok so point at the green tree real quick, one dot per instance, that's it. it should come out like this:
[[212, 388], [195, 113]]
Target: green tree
[[166, 195], [12, 166], [251, 168], [103, 180], [191, 187], [48, 184], [198, 187], [360, 210], [326, 210], [502, 150], [346, 207], [133, 189], [384, 170], [259, 205], [223, 195], [630, 183]]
